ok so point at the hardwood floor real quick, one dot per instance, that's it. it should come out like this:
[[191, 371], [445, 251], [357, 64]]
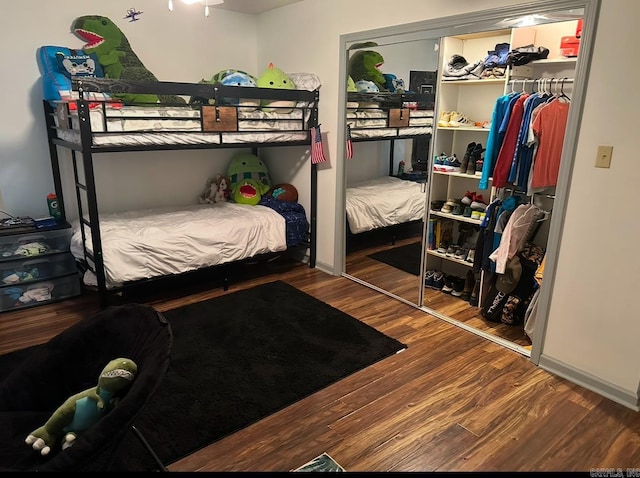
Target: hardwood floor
[[450, 401], [407, 286]]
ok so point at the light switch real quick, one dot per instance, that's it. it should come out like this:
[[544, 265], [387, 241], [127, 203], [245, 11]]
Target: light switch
[[603, 158]]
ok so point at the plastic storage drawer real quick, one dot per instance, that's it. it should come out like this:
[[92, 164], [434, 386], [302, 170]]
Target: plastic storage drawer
[[33, 244], [36, 268], [38, 293]]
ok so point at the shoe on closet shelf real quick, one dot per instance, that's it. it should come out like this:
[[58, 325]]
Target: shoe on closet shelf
[[471, 254], [476, 215], [461, 253], [442, 248], [479, 166], [474, 157], [447, 288], [468, 198], [428, 278], [438, 281], [467, 154], [445, 117], [467, 211], [478, 203], [453, 162], [457, 210], [459, 119], [437, 205], [450, 251]]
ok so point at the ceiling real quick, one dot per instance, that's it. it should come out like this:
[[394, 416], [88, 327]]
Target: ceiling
[[253, 6]]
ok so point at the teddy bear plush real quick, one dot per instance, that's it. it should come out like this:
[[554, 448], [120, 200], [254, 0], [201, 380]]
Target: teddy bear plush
[[222, 188], [208, 196], [84, 409]]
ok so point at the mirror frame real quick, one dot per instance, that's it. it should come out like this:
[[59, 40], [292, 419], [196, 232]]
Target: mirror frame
[[472, 22]]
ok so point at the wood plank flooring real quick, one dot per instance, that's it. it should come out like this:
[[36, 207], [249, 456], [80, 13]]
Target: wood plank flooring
[[452, 401], [407, 286]]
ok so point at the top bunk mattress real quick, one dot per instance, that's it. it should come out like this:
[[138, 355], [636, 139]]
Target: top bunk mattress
[[375, 123]]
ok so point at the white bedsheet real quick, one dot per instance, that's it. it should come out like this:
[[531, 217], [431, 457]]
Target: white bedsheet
[[156, 242], [384, 202]]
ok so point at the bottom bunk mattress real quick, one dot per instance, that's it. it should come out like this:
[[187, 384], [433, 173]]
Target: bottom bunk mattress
[[383, 202], [143, 244]]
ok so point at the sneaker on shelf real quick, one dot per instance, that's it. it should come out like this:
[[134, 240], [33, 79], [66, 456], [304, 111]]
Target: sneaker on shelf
[[453, 162], [476, 215], [442, 248], [467, 211], [479, 166], [468, 198], [445, 117], [459, 119], [450, 251], [471, 254], [482, 124], [438, 281], [428, 278], [458, 286], [478, 203], [437, 205], [447, 288], [461, 253], [458, 209]]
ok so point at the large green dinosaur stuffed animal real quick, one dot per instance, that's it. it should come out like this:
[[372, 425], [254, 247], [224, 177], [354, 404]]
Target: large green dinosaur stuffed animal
[[117, 58], [84, 409], [365, 65]]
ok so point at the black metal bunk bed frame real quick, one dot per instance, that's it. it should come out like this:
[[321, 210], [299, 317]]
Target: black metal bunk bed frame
[[86, 148], [397, 108]]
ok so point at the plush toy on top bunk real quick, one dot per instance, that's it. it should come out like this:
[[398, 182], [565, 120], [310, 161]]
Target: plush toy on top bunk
[[116, 57], [365, 65], [274, 77], [230, 77]]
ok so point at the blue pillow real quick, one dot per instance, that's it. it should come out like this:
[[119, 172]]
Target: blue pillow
[[58, 63]]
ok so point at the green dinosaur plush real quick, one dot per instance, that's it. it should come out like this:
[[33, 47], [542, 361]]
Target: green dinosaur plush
[[249, 178], [84, 409], [365, 65], [115, 55], [274, 77]]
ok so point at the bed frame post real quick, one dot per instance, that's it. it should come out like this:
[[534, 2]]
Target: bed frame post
[[53, 155]]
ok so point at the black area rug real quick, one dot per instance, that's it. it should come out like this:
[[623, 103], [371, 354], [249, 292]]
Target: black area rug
[[406, 258], [239, 358]]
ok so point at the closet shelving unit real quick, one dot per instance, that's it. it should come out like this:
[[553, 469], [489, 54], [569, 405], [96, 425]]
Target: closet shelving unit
[[476, 99]]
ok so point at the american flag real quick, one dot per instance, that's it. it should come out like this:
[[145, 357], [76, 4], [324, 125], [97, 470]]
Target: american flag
[[349, 143], [317, 152]]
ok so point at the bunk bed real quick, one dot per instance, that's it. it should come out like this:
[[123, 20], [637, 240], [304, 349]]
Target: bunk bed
[[118, 251], [395, 200]]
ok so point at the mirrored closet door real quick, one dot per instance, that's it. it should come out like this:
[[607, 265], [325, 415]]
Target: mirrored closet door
[[484, 181], [389, 115]]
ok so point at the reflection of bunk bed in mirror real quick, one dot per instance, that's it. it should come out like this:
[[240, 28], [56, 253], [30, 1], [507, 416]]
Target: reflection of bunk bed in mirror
[[117, 250], [397, 200]]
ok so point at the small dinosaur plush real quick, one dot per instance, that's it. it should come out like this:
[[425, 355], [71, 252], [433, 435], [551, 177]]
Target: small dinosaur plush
[[115, 55], [84, 409], [365, 65]]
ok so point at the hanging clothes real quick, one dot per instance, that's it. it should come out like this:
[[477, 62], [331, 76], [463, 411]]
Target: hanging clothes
[[499, 122], [507, 151], [549, 126]]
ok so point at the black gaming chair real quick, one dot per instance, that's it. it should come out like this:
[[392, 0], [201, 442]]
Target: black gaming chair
[[34, 382]]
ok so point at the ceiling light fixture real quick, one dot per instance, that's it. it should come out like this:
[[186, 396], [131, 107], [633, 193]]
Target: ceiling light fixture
[[206, 4]]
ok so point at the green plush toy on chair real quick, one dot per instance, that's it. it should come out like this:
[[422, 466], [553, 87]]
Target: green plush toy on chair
[[84, 409]]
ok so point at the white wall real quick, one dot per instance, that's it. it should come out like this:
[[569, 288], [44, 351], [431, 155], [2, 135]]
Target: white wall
[[181, 45], [594, 319]]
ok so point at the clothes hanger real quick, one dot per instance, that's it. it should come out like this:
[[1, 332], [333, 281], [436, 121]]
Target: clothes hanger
[[562, 93]]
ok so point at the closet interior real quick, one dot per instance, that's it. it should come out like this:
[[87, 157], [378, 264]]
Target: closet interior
[[502, 98]]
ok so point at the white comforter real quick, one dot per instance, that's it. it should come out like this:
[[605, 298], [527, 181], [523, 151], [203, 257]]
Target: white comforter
[[150, 243], [384, 202]]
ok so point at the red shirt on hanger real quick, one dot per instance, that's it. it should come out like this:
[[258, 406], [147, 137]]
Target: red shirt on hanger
[[549, 127]]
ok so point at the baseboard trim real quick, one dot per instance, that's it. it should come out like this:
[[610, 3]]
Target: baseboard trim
[[325, 268], [590, 382]]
